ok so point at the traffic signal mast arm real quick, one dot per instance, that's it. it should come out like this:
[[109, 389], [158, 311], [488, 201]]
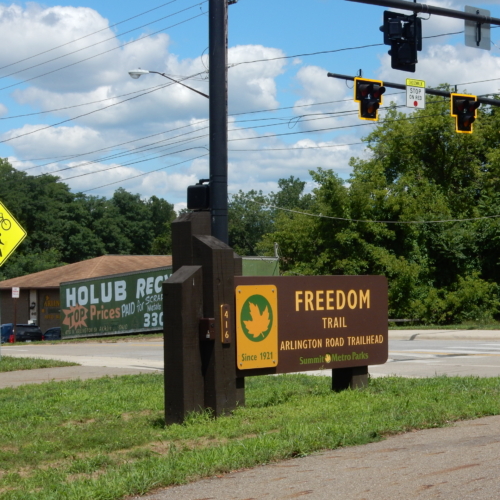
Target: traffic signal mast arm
[[429, 9], [442, 93]]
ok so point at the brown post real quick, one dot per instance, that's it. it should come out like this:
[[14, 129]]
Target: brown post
[[182, 310], [183, 229], [240, 381], [349, 378], [218, 359]]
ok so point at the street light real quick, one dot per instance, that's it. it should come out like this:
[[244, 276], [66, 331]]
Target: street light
[[136, 73]]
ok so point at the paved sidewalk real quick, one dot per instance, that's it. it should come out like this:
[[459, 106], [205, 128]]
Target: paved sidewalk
[[460, 462], [39, 376]]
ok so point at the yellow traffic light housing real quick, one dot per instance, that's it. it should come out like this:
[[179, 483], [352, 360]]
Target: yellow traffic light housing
[[369, 95], [464, 109]]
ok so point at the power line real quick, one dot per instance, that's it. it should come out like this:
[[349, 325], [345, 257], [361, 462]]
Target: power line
[[328, 51], [157, 87], [149, 159], [184, 141], [321, 216], [84, 114], [235, 114], [86, 36], [143, 174], [142, 149], [131, 163], [101, 41], [111, 147], [102, 53]]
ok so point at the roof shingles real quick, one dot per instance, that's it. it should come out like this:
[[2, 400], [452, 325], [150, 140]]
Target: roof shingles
[[93, 268]]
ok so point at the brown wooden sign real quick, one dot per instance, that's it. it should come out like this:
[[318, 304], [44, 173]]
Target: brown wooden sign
[[321, 322]]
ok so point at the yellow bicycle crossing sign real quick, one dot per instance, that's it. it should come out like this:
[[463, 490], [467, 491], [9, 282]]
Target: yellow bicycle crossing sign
[[11, 234]]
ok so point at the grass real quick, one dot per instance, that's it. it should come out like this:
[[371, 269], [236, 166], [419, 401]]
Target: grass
[[105, 439], [110, 339], [11, 364]]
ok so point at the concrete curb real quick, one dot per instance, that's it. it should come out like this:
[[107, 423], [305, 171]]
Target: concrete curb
[[487, 335]]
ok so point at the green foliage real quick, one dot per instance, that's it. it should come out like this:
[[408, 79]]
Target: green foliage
[[249, 218], [470, 299], [11, 364], [106, 438], [64, 227], [419, 170]]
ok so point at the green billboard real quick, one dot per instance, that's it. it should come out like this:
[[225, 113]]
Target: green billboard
[[110, 305]]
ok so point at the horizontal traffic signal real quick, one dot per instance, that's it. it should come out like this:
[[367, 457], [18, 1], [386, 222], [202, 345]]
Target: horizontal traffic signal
[[369, 95], [464, 109]]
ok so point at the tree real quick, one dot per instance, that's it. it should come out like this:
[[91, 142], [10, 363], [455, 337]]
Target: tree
[[249, 219], [63, 227], [419, 171]]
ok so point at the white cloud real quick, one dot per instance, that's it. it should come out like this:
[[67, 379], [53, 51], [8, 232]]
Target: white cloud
[[454, 65], [56, 141], [259, 154]]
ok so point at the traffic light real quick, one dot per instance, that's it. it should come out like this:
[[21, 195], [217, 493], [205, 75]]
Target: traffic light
[[464, 109], [369, 95], [404, 35]]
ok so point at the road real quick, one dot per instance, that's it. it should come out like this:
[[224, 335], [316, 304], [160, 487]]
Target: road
[[408, 358], [427, 358]]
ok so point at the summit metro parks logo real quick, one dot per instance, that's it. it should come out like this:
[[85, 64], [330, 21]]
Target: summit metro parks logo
[[256, 318]]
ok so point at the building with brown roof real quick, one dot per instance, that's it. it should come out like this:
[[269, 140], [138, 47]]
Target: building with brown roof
[[39, 299]]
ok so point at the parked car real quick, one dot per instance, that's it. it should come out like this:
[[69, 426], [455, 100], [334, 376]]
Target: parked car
[[52, 334], [28, 333], [5, 332]]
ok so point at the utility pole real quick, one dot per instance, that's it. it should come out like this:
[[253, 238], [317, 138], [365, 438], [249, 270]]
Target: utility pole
[[217, 35]]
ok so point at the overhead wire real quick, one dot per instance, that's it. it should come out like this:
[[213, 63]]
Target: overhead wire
[[85, 114], [151, 146], [148, 159], [272, 135], [345, 219], [86, 36], [329, 115], [102, 53], [144, 148], [143, 174], [131, 163], [101, 41]]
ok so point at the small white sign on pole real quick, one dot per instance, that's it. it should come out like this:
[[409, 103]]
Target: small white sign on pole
[[415, 94], [15, 292]]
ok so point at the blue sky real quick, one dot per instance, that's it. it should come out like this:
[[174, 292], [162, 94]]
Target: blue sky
[[156, 143]]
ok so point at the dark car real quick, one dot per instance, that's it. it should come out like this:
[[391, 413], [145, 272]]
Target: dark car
[[28, 333], [52, 334]]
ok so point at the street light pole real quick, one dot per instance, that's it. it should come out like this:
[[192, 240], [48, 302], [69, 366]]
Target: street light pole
[[217, 36], [136, 73]]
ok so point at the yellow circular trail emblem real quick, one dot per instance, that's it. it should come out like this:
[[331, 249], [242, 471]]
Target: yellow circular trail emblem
[[256, 318]]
